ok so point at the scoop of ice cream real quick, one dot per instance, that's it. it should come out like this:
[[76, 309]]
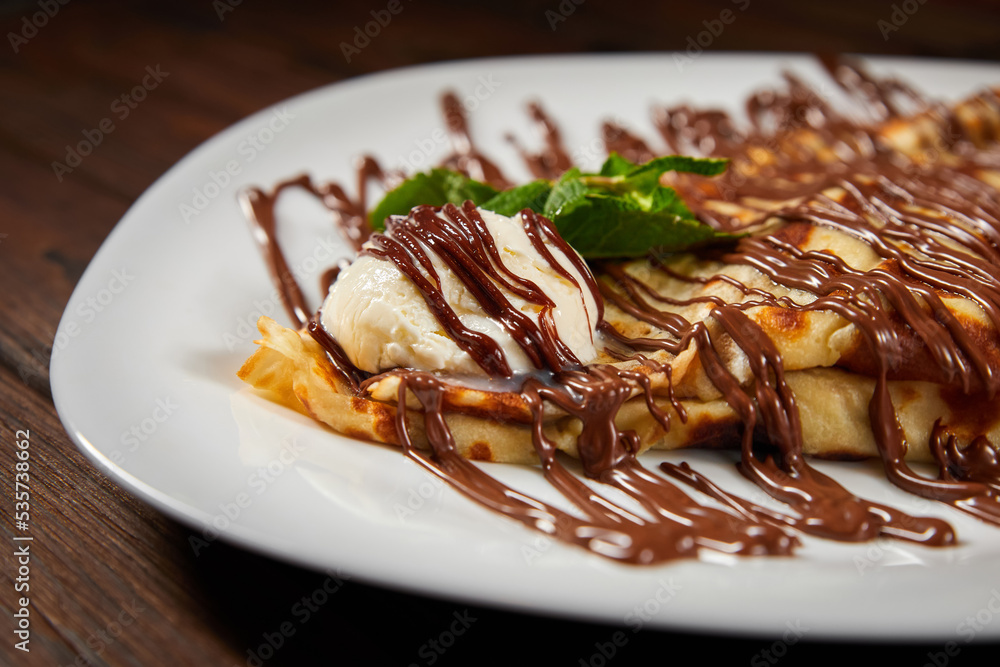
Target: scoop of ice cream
[[441, 284]]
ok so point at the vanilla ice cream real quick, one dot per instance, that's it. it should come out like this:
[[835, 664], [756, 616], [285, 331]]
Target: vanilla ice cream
[[382, 321]]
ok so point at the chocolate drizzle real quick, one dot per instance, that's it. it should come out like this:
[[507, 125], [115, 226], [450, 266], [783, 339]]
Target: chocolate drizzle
[[350, 218], [466, 158], [677, 526], [934, 225], [553, 160], [459, 236]]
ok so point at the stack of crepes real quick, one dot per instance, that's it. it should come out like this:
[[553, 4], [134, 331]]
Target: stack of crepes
[[856, 316]]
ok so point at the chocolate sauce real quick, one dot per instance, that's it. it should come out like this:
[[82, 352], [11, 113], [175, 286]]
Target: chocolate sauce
[[879, 208], [459, 237], [933, 223], [676, 525], [466, 158], [354, 376], [617, 139], [350, 218], [552, 160]]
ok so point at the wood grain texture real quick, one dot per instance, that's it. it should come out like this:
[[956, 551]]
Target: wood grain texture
[[114, 582]]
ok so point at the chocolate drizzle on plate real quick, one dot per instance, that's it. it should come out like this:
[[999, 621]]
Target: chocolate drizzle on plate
[[933, 222], [552, 160], [350, 218], [466, 158]]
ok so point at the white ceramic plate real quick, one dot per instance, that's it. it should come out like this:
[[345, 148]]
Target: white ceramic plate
[[144, 363]]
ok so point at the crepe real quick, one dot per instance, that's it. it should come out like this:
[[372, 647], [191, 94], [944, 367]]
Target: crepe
[[855, 315], [818, 349]]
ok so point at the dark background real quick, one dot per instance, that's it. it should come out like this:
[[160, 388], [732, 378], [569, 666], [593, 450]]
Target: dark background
[[99, 554]]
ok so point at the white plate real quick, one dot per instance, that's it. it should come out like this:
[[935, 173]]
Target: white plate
[[144, 363]]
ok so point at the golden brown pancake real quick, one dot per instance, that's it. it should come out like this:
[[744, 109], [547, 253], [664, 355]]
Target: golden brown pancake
[[856, 316]]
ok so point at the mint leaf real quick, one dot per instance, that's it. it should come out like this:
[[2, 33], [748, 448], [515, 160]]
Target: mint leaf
[[605, 227], [690, 165], [623, 176], [567, 193], [666, 200], [437, 188], [616, 165], [623, 211], [531, 195]]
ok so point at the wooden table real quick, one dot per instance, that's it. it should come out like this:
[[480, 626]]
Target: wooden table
[[112, 581]]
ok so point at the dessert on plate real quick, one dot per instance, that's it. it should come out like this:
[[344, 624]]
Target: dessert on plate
[[812, 285]]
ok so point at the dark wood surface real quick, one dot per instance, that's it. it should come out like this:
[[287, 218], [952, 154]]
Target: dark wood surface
[[112, 581]]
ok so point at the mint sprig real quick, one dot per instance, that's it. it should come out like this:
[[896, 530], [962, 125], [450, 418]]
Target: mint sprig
[[621, 211], [436, 188]]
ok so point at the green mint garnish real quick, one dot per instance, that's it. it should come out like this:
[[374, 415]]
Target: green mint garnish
[[621, 211]]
